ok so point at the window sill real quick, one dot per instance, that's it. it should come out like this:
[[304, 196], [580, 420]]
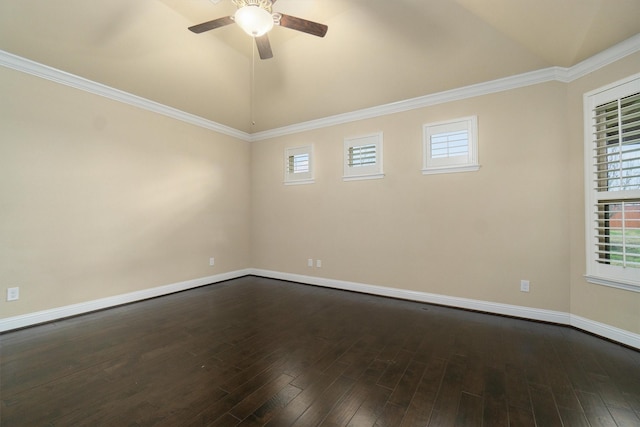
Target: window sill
[[627, 286], [450, 169], [300, 182], [360, 177]]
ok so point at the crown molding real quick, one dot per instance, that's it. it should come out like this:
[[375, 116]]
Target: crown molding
[[604, 58], [28, 66], [559, 74], [499, 85]]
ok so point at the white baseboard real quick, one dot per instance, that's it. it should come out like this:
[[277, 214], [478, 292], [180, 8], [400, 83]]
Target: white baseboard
[[30, 319], [558, 317], [606, 331], [609, 332]]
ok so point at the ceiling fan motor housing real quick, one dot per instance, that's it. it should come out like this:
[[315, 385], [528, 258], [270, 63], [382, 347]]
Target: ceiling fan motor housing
[[256, 18], [263, 4]]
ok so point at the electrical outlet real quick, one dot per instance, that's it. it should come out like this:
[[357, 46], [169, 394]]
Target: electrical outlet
[[13, 294], [309, 262], [318, 263], [524, 285], [212, 261]]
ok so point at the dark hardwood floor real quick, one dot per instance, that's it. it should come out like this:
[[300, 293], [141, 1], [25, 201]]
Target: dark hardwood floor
[[256, 351]]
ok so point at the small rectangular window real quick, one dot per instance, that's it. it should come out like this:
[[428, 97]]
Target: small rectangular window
[[450, 146], [363, 157], [298, 165]]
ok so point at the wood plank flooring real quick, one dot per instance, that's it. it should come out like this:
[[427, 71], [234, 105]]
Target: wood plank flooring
[[261, 352]]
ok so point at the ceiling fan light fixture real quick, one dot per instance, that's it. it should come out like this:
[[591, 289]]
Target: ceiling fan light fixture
[[254, 20]]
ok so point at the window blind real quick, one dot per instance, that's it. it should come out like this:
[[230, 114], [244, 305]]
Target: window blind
[[617, 144], [299, 163], [618, 233], [450, 144], [617, 181], [362, 155]]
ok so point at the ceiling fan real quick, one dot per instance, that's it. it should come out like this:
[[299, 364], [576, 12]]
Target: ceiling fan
[[256, 18]]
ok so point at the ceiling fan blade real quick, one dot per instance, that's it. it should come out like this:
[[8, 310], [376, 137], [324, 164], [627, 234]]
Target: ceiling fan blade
[[303, 25], [264, 47], [211, 25]]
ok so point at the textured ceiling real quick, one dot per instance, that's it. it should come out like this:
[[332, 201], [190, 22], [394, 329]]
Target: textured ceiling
[[375, 52]]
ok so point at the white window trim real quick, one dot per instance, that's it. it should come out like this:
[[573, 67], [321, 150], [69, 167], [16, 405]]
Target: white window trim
[[373, 171], [598, 273], [301, 178], [468, 163]]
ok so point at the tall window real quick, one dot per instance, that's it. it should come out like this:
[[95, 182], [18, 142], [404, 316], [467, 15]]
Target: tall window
[[612, 133], [450, 146], [298, 167], [363, 157]]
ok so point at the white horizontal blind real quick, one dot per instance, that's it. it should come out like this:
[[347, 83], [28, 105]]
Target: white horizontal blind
[[616, 165], [618, 233], [362, 155], [617, 144], [299, 163], [450, 144]]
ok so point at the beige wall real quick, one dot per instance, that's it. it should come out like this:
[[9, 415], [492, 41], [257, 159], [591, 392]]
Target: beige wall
[[471, 235], [615, 307], [99, 198]]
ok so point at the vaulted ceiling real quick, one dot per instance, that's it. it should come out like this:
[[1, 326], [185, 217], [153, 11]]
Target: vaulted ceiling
[[375, 52]]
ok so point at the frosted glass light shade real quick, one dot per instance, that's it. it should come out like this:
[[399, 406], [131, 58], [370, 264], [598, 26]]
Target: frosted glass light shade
[[254, 20]]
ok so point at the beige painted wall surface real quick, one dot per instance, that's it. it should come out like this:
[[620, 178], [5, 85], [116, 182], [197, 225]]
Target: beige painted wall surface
[[472, 235], [615, 307], [99, 198]]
